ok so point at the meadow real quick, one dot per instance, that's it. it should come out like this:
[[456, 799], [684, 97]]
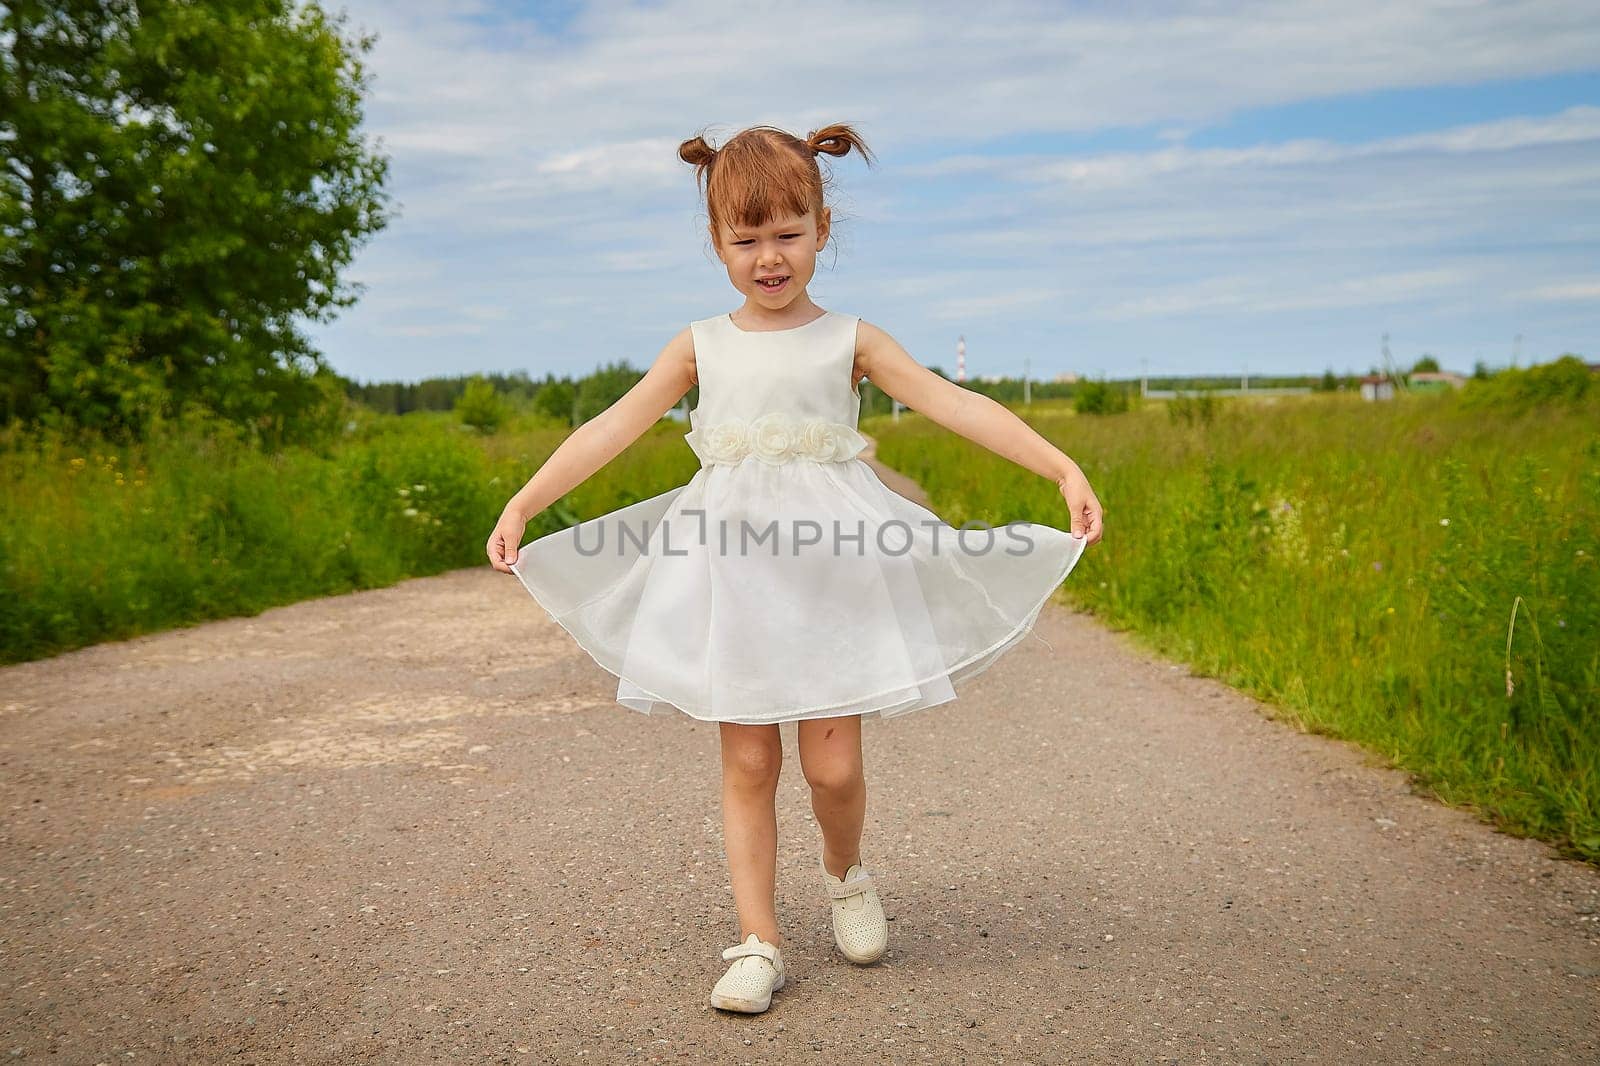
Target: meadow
[[1417, 577], [194, 525]]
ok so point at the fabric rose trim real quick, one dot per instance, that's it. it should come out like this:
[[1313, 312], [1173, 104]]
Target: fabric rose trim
[[775, 437]]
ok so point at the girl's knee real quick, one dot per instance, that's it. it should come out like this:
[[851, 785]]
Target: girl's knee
[[753, 758], [839, 774]]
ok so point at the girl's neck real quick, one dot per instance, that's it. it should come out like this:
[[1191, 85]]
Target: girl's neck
[[754, 318]]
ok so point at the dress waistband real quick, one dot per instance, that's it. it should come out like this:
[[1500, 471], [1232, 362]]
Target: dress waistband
[[775, 437]]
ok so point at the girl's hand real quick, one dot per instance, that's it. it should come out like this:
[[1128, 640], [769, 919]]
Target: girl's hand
[[502, 546], [1083, 504]]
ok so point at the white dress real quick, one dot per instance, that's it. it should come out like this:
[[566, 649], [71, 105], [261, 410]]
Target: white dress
[[784, 580]]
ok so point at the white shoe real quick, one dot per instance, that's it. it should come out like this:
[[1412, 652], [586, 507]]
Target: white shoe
[[859, 927], [756, 973]]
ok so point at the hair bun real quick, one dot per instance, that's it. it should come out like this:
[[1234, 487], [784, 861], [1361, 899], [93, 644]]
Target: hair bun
[[696, 151], [836, 139]]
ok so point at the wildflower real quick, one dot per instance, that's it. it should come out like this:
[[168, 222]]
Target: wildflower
[[411, 510], [1444, 521], [402, 490], [1561, 623], [1391, 610], [419, 488], [1377, 565]]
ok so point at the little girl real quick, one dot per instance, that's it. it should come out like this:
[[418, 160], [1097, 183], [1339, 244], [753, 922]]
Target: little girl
[[784, 582]]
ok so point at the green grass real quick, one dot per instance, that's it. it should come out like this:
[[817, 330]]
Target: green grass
[[1361, 566], [106, 543]]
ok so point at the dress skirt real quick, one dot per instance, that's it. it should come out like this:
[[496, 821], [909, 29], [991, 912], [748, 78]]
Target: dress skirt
[[762, 592]]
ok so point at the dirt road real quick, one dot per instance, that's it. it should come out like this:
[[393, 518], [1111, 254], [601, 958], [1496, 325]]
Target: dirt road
[[411, 825]]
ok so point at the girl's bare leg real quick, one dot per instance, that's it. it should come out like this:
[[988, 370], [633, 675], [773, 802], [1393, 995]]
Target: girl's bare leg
[[752, 756], [830, 758]]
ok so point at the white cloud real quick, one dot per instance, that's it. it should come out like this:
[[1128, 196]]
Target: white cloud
[[1120, 169], [1573, 290], [1255, 293]]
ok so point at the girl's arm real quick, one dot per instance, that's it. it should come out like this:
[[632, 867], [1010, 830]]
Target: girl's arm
[[978, 418], [602, 438]]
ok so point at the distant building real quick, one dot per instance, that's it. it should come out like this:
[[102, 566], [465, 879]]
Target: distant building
[[1377, 387], [1066, 377], [1436, 380]]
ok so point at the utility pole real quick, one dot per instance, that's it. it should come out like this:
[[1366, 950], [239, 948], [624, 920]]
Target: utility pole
[[1395, 376]]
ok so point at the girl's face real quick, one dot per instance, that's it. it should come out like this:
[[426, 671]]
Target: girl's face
[[784, 248]]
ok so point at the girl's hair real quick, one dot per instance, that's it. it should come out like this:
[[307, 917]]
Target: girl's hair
[[763, 173]]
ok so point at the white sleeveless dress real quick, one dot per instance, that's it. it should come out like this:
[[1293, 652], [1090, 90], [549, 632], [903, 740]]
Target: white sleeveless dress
[[784, 580]]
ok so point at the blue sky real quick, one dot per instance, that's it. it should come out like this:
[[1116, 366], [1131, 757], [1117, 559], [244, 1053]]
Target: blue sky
[[1095, 188]]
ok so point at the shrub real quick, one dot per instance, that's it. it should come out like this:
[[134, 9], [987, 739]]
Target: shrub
[[1567, 380], [1194, 409], [1100, 398]]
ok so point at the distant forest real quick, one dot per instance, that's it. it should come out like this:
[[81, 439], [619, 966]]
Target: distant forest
[[578, 399]]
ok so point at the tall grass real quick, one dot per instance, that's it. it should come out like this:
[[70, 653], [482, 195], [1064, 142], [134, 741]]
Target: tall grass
[[1418, 577], [99, 542]]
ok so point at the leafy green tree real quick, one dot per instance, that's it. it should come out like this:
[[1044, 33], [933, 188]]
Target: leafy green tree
[[480, 406], [1426, 365], [181, 180], [556, 398], [605, 387]]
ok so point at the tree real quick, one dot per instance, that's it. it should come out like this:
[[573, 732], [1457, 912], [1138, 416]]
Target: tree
[[1426, 365], [1097, 397], [556, 398], [181, 181], [480, 407]]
